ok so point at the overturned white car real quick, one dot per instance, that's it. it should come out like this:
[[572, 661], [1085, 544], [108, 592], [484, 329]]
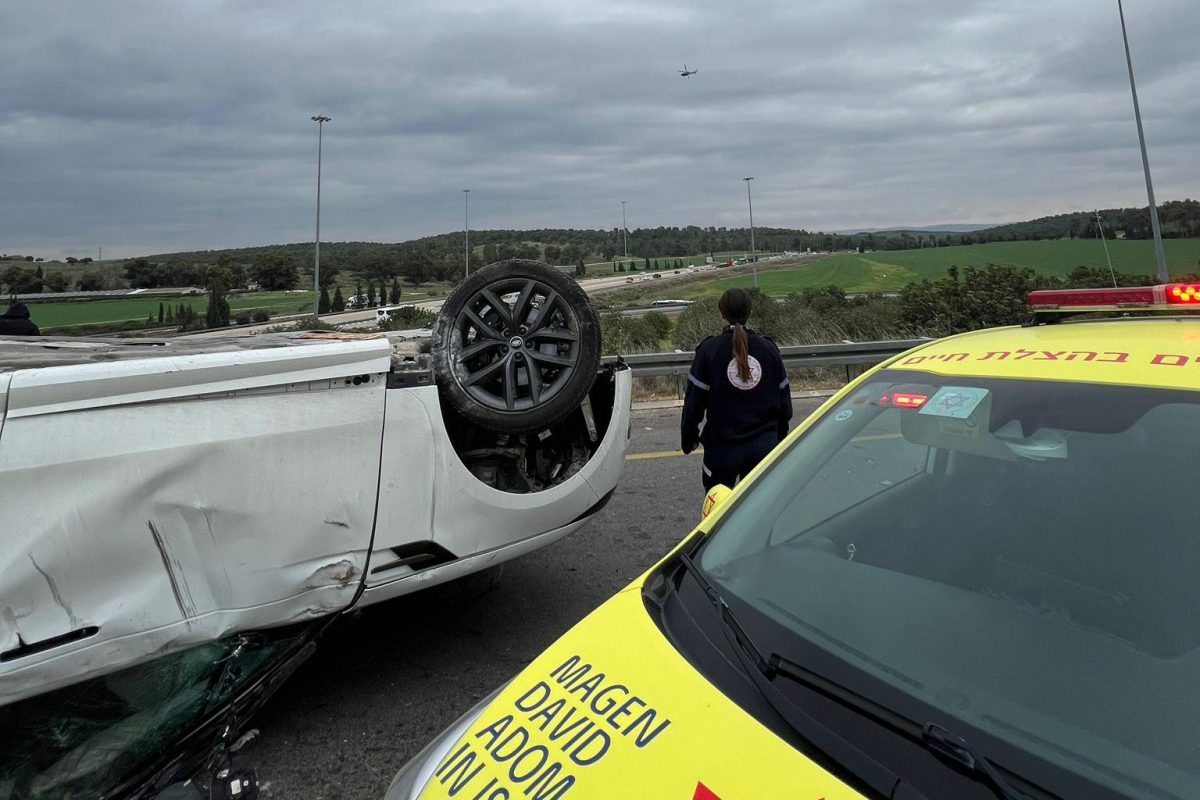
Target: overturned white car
[[179, 512]]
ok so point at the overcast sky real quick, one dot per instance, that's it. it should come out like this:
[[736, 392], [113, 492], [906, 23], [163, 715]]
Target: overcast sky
[[156, 126]]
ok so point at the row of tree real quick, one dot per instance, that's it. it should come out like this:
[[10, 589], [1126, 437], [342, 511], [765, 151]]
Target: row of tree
[[441, 257], [69, 259], [32, 280]]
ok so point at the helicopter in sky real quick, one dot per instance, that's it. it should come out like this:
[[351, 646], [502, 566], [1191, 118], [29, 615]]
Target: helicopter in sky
[[687, 73]]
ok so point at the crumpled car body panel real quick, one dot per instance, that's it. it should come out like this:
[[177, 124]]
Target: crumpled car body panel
[[153, 505]]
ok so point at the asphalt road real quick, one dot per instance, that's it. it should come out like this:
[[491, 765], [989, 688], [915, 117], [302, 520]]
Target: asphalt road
[[389, 678], [366, 317]]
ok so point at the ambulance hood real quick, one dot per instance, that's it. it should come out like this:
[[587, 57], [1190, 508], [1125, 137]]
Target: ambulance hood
[[613, 710]]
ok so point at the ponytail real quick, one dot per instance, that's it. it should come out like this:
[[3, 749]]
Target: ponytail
[[735, 308], [741, 351]]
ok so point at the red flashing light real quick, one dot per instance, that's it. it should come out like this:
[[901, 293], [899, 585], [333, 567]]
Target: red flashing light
[[904, 400], [1183, 294]]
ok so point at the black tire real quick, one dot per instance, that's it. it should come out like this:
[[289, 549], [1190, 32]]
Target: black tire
[[516, 365]]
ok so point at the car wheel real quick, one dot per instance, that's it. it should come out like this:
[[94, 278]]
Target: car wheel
[[516, 346]]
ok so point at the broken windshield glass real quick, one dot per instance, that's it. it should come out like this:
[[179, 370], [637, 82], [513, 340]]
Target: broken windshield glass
[[82, 740]]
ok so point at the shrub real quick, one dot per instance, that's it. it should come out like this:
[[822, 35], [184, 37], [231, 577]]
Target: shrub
[[699, 320], [90, 282], [260, 315], [621, 335], [813, 317], [407, 318], [658, 323], [981, 298]]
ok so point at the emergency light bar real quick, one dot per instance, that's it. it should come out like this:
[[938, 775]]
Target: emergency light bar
[[1168, 297], [904, 400]]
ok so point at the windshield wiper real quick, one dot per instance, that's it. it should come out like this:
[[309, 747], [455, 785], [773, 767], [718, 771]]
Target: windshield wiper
[[769, 666], [726, 613], [861, 765], [947, 745], [934, 737]]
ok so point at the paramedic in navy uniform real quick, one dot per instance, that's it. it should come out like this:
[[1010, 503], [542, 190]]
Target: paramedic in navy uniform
[[739, 383]]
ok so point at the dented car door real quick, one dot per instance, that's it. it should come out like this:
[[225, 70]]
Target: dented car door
[[159, 503]]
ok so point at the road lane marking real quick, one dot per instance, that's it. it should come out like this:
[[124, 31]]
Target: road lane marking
[[662, 454]]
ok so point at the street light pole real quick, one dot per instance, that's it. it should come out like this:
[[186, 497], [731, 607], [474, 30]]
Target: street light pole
[[625, 232], [317, 244], [1137, 113], [466, 233], [753, 260]]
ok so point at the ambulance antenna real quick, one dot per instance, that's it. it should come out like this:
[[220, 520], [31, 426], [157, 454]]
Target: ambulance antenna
[[1100, 230]]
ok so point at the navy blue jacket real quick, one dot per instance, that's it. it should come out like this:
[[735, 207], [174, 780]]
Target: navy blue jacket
[[736, 411], [16, 322]]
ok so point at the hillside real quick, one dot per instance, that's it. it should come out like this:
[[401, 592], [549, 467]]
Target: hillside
[[440, 257], [956, 227], [890, 271], [1179, 219], [443, 252]]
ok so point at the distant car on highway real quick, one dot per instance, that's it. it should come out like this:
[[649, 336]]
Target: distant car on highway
[[185, 516], [970, 575], [672, 303]]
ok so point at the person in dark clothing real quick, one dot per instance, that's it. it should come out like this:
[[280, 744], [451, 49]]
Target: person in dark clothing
[[15, 321], [738, 382]]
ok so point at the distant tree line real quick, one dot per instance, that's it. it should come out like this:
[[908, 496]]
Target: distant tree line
[[440, 257]]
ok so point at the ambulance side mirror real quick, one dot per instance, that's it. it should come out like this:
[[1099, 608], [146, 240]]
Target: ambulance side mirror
[[716, 496]]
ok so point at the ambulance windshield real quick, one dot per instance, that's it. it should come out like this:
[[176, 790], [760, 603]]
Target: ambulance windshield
[[1018, 554]]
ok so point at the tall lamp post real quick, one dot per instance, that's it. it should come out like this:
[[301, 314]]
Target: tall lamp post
[[624, 232], [1137, 113], [466, 233], [753, 260], [317, 245]]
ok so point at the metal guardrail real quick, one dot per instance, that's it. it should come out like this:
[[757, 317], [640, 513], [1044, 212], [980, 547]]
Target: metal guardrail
[[649, 365]]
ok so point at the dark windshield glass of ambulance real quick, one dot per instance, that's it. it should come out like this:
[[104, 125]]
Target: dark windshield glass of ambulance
[[1018, 555]]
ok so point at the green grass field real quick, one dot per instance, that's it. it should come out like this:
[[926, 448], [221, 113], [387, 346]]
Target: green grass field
[[884, 271], [54, 315], [90, 312]]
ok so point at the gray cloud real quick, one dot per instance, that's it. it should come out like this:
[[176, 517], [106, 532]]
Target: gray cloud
[[148, 126]]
